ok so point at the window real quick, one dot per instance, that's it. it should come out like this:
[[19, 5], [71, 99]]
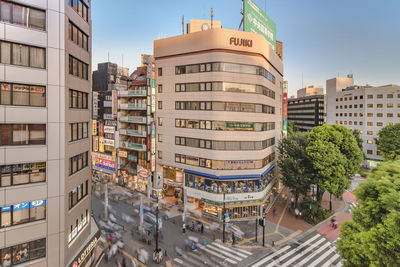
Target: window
[[78, 162], [379, 124], [78, 99], [389, 115], [23, 55], [160, 121], [18, 174], [22, 15], [159, 154], [379, 115], [78, 68], [380, 96], [369, 132], [160, 89], [78, 227], [78, 131], [370, 96], [379, 105], [369, 123], [159, 72], [336, 100], [23, 213], [77, 36], [369, 141], [361, 123], [160, 136], [159, 104], [80, 7], [369, 152], [355, 97], [21, 94], [77, 194], [369, 115], [390, 105], [22, 134], [370, 105], [389, 96]]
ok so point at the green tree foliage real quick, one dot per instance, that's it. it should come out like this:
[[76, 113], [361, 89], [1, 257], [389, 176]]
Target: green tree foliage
[[292, 128], [335, 155], [295, 165], [356, 134], [373, 237], [389, 142]]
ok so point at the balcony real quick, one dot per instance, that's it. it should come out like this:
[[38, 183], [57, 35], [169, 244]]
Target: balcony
[[132, 158], [132, 106], [132, 93], [132, 146], [133, 119], [130, 132]]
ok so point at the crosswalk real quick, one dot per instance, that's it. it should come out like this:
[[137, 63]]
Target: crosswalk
[[213, 254], [312, 250]]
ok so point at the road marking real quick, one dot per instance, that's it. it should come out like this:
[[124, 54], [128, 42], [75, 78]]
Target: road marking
[[322, 257], [178, 261], [231, 250], [294, 251], [217, 255], [314, 253], [261, 262], [127, 254], [186, 257], [245, 251], [332, 260], [224, 253]]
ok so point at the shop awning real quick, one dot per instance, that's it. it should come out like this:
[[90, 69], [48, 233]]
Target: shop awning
[[268, 170], [103, 170], [201, 174], [249, 176]]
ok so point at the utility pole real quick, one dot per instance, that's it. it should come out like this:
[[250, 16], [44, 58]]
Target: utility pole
[[106, 203], [223, 225], [157, 250], [183, 25], [212, 17], [256, 228], [264, 231]]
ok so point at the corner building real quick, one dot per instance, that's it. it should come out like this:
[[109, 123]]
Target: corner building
[[45, 186], [219, 118]]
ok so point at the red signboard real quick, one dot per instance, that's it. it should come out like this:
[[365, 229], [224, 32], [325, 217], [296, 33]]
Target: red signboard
[[148, 142], [101, 128]]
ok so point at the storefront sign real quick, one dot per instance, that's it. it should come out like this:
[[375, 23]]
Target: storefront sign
[[101, 156], [109, 129], [94, 130], [86, 251], [114, 103], [153, 87], [101, 144], [284, 111], [122, 154], [240, 42], [103, 163], [101, 128], [110, 123], [142, 173], [108, 142], [153, 163], [95, 143], [108, 116], [240, 125]]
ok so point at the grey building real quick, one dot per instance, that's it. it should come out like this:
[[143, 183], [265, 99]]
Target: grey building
[[306, 112]]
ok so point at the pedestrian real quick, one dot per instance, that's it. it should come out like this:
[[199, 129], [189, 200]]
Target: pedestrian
[[274, 212], [233, 238], [202, 228], [292, 202], [296, 211], [184, 228]]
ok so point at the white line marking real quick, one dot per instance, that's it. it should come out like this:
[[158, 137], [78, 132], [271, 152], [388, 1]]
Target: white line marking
[[313, 254], [322, 257], [310, 248], [244, 251], [178, 261], [186, 257], [229, 249], [262, 261], [329, 262], [225, 253], [217, 255]]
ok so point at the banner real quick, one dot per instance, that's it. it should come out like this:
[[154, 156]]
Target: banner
[[109, 129], [284, 110], [108, 142], [122, 154], [94, 127], [101, 128], [114, 103], [255, 20], [101, 144], [95, 143]]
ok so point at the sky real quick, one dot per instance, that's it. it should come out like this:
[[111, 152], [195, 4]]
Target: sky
[[322, 38]]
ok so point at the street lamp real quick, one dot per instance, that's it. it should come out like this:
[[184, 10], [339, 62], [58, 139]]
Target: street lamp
[[157, 253]]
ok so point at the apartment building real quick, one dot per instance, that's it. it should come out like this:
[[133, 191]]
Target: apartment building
[[44, 149], [219, 116], [367, 109]]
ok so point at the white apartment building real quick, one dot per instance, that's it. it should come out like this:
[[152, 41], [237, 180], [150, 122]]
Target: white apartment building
[[365, 108], [45, 180], [218, 119]]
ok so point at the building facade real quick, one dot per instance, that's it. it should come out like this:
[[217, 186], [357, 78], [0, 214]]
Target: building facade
[[310, 91], [366, 109], [45, 146], [306, 112], [219, 116]]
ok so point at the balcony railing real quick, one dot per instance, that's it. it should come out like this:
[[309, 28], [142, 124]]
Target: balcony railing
[[131, 93], [130, 132], [132, 106], [132, 146], [133, 119]]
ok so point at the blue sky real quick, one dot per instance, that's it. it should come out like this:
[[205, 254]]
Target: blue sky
[[322, 38]]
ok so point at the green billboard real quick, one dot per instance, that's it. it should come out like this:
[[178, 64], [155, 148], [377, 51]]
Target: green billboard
[[255, 20]]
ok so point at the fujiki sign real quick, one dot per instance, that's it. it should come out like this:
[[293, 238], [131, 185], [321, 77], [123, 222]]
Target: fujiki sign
[[241, 42]]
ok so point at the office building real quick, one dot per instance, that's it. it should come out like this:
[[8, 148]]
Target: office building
[[366, 109], [45, 147], [218, 119], [310, 91], [306, 112]]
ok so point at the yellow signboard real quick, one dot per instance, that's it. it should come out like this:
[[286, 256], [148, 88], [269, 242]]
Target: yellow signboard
[[94, 131], [101, 144]]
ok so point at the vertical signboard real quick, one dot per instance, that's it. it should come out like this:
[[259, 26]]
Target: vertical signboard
[[101, 128], [284, 109], [153, 87], [95, 143], [114, 103], [255, 20], [101, 144], [94, 127]]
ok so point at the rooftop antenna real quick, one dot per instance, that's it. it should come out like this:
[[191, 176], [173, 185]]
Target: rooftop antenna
[[183, 24], [122, 60], [242, 20], [212, 16], [302, 81], [108, 56]]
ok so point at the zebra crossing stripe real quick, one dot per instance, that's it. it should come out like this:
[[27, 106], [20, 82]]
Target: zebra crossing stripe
[[308, 249], [244, 251], [294, 251], [229, 249], [224, 253], [261, 262], [333, 259], [314, 254], [178, 261], [191, 260], [322, 257], [216, 254]]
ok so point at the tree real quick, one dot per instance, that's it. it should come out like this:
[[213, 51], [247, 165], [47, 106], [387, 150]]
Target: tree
[[295, 165], [359, 140], [335, 155], [389, 142], [292, 128], [373, 237]]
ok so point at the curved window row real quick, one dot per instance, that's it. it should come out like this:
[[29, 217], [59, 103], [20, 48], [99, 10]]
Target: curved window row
[[78, 131], [23, 213], [224, 106], [22, 134], [22, 15], [225, 87], [26, 173], [78, 162], [22, 95], [77, 36], [76, 229], [22, 55], [78, 99], [224, 164], [24, 252], [78, 68], [225, 67], [78, 194], [80, 7], [224, 145], [225, 125], [228, 187]]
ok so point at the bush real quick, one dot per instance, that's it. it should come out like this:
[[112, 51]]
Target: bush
[[363, 173], [312, 211]]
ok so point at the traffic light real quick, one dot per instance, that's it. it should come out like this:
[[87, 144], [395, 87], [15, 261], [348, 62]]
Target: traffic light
[[261, 222]]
